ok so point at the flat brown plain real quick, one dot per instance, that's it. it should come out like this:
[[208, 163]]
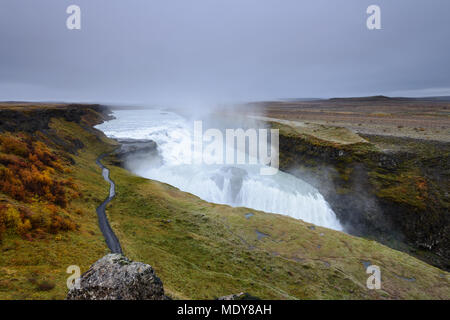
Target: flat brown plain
[[412, 118]]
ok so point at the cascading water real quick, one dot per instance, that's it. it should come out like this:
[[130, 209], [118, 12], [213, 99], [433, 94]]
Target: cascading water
[[235, 185]]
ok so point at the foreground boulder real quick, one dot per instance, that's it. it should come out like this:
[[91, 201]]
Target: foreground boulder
[[115, 277]]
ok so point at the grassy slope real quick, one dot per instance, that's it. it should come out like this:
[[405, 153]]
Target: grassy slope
[[24, 265], [202, 250]]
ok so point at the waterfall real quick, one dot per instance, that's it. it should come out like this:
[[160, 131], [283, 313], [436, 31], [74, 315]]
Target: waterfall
[[234, 185]]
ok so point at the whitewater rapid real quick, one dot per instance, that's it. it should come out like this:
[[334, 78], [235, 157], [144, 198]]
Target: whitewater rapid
[[234, 185]]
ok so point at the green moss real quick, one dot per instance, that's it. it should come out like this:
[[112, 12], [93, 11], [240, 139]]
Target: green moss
[[408, 188]]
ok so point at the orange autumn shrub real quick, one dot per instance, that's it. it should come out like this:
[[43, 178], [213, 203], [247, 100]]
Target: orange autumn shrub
[[13, 145], [27, 170], [29, 224], [30, 172]]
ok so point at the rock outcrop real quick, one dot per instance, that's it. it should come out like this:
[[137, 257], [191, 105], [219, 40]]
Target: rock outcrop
[[115, 277], [28, 118], [133, 146], [132, 152]]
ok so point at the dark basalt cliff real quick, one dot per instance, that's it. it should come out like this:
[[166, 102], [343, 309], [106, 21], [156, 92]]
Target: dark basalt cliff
[[398, 197], [35, 120], [30, 119]]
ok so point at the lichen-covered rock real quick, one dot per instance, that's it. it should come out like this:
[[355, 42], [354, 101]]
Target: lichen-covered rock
[[115, 277]]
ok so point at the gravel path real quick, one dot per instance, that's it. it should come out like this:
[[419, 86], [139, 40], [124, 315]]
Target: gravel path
[[111, 239]]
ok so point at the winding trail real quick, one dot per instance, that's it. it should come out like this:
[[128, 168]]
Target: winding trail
[[111, 239]]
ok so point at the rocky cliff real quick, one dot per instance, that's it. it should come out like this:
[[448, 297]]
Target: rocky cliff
[[391, 189], [32, 118]]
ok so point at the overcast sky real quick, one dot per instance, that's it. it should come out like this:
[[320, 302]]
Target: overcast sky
[[197, 51]]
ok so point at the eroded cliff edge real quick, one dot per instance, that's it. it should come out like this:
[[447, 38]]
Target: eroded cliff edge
[[391, 189]]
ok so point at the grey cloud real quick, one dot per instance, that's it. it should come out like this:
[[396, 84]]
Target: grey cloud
[[198, 51]]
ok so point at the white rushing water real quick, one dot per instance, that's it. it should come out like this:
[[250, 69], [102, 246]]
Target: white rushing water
[[236, 185]]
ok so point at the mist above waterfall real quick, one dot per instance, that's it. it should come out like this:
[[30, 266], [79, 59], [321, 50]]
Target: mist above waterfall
[[239, 185]]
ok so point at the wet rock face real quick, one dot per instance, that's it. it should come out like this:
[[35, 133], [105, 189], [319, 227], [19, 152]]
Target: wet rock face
[[411, 215], [133, 152], [115, 277], [132, 147]]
